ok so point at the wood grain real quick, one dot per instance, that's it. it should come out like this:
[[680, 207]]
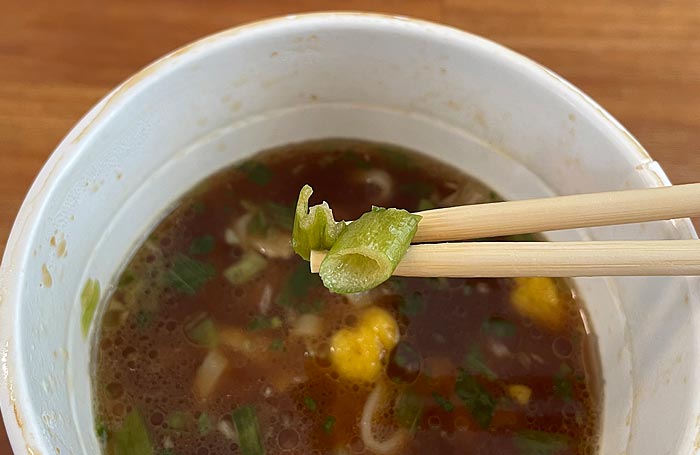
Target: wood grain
[[639, 58]]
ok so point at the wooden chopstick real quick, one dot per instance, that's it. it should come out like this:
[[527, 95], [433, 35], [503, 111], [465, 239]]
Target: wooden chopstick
[[564, 212], [554, 259]]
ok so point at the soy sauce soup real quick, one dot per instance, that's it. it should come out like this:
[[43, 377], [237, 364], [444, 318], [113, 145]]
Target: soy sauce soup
[[218, 340]]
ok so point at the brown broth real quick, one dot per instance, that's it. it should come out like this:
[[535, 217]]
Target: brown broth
[[146, 362]]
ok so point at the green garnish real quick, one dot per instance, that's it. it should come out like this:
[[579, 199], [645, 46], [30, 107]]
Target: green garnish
[[279, 215], [132, 438], [478, 400], [396, 158], [143, 318], [310, 403], [476, 365], [202, 245], [328, 424], [201, 331], [263, 322], [178, 420], [89, 299], [198, 206], [277, 345], [295, 291], [204, 424], [101, 431], [246, 422], [188, 275], [443, 402], [533, 442], [247, 267], [368, 250], [412, 304], [498, 327], [562, 382], [409, 408], [314, 228], [126, 278], [256, 172]]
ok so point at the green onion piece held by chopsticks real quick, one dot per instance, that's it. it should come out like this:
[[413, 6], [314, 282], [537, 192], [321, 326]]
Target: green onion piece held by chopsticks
[[246, 422], [368, 250], [314, 228]]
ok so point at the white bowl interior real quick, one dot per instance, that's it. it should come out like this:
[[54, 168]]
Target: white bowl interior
[[514, 125]]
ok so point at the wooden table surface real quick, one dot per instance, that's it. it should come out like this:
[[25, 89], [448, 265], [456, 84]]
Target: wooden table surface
[[640, 59]]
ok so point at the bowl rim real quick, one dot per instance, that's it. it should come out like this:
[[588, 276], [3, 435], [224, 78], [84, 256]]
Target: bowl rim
[[17, 415]]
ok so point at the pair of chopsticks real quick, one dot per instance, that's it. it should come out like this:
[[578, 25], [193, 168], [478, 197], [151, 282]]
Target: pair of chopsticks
[[555, 259]]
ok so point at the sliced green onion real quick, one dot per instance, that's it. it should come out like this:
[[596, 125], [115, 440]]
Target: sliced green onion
[[204, 424], [201, 331], [367, 252], [533, 442], [409, 408], [89, 299], [443, 402], [328, 424], [310, 403], [178, 420], [188, 275], [250, 264], [314, 228], [246, 422], [479, 401], [132, 438]]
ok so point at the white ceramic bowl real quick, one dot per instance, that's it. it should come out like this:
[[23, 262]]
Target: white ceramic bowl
[[514, 124]]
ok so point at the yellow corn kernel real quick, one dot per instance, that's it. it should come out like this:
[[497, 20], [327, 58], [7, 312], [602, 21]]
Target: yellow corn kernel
[[383, 325], [519, 393], [357, 353], [537, 298]]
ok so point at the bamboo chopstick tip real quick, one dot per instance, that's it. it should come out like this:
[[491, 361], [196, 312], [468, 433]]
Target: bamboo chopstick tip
[[315, 259]]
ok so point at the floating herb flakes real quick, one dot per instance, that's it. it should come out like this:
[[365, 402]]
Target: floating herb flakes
[[202, 245], [189, 275], [562, 382], [412, 304], [476, 365], [480, 403], [328, 424], [443, 402], [132, 438], [256, 172], [533, 442], [295, 291], [310, 404], [204, 424], [409, 409], [498, 328]]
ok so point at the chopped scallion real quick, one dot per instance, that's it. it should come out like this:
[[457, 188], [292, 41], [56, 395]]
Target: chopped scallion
[[328, 424], [132, 438], [247, 267], [409, 408], [478, 400], [369, 249], [246, 422], [310, 403], [201, 331], [202, 245], [314, 228], [443, 402], [188, 275]]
